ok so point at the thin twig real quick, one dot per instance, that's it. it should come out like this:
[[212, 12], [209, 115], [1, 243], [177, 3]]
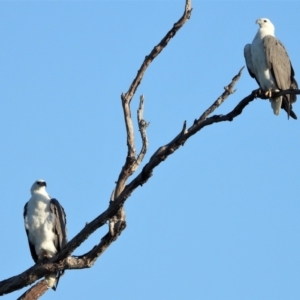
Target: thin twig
[[228, 91], [142, 127], [157, 50]]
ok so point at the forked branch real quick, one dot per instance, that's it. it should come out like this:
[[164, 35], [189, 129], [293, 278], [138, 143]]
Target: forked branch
[[115, 213]]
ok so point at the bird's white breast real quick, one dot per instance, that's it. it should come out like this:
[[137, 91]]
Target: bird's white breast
[[260, 67], [39, 223]]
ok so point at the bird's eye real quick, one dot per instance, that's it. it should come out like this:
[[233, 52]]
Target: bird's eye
[[265, 21]]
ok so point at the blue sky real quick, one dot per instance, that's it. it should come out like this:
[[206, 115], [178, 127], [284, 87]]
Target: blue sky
[[219, 219]]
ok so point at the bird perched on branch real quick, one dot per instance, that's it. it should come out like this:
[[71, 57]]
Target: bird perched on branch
[[45, 225], [268, 62]]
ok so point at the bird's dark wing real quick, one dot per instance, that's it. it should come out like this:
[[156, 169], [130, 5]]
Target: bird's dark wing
[[31, 246], [248, 59], [278, 62], [60, 230], [288, 108], [282, 70], [60, 222]]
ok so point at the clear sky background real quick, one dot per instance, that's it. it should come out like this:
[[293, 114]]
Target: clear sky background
[[219, 219]]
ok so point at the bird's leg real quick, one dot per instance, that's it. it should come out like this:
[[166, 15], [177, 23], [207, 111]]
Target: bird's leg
[[268, 94]]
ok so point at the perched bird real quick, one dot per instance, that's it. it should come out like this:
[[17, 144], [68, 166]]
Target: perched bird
[[45, 225], [268, 62]]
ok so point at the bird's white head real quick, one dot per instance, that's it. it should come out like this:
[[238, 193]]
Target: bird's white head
[[266, 26], [39, 186]]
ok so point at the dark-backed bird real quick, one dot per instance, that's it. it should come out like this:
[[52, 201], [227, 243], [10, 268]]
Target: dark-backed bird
[[45, 225], [268, 62]]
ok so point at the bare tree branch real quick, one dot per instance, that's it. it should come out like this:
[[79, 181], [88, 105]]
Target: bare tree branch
[[115, 212], [35, 292], [127, 97], [142, 127], [131, 162], [157, 50], [281, 93], [228, 91], [62, 260]]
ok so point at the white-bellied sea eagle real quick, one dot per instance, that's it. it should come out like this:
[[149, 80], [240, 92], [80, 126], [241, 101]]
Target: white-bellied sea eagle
[[268, 62], [45, 225]]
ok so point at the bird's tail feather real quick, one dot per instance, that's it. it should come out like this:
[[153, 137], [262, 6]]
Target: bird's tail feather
[[276, 105], [287, 106], [51, 280]]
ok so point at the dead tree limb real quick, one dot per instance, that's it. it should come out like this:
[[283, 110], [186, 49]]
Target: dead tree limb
[[132, 162], [35, 292], [63, 261], [142, 128], [115, 214]]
